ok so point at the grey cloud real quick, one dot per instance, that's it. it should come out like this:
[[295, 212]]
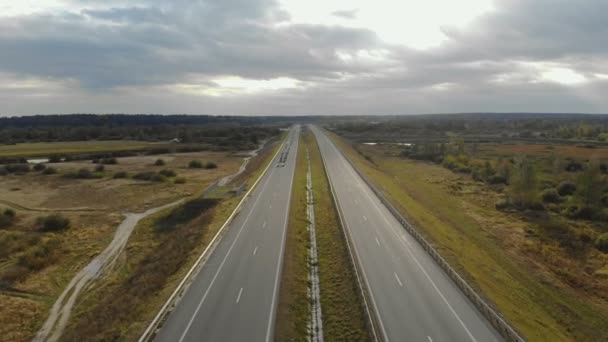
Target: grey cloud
[[346, 14], [125, 54]]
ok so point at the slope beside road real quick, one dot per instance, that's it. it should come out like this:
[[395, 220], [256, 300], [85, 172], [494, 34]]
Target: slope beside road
[[233, 297], [413, 298]]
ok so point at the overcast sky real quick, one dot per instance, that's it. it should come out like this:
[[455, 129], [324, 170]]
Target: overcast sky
[[271, 57]]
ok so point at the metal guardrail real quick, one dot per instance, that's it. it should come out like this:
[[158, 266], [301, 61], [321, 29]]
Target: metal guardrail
[[504, 328], [372, 317], [167, 308]]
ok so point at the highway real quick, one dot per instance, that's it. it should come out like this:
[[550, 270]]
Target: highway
[[413, 298], [234, 295]]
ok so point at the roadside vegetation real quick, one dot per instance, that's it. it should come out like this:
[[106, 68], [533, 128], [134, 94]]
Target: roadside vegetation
[[523, 223], [342, 310], [293, 312], [158, 254], [343, 315], [56, 216]]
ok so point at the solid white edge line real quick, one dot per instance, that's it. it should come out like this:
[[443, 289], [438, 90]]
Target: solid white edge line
[[391, 226], [352, 250], [145, 336], [219, 269], [238, 297]]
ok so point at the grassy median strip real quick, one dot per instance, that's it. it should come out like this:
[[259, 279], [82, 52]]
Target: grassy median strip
[[463, 234], [343, 316], [293, 313], [159, 253]]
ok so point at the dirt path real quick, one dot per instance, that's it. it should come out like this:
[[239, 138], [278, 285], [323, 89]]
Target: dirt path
[[58, 317], [61, 310]]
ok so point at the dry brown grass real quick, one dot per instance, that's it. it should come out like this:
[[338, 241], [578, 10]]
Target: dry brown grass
[[94, 208], [546, 293]]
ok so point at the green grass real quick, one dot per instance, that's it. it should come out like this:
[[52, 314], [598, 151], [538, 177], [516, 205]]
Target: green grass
[[343, 315], [293, 313], [60, 148], [523, 292]]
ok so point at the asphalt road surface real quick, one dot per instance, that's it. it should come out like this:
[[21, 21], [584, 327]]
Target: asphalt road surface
[[234, 296], [414, 299]]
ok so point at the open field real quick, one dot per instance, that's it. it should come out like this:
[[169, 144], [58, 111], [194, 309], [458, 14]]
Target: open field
[[69, 147], [545, 291], [158, 255], [29, 285]]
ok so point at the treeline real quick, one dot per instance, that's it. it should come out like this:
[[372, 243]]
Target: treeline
[[217, 131], [525, 126]]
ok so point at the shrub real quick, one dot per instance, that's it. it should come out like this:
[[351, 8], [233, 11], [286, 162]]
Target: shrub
[[54, 223], [99, 168], [39, 167], [573, 166], [17, 168], [210, 165], [180, 180], [601, 242], [566, 188], [195, 164], [167, 173], [120, 174], [550, 196], [49, 171], [559, 231], [159, 162], [111, 161], [580, 212], [149, 176], [3, 171], [497, 179], [54, 159], [8, 212]]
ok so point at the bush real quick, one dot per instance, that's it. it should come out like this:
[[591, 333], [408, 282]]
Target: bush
[[17, 168], [167, 173], [39, 167], [566, 188], [560, 231], [550, 196], [180, 180], [120, 174], [159, 162], [54, 159], [195, 164], [601, 242], [573, 166], [210, 165], [99, 168], [3, 171], [497, 179], [580, 212], [111, 161], [54, 223], [149, 176], [49, 171], [8, 212]]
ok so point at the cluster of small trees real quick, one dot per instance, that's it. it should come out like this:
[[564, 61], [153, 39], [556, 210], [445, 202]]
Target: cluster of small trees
[[197, 164]]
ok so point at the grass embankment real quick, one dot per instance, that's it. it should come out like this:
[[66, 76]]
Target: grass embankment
[[159, 253], [484, 245], [293, 312], [343, 315]]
